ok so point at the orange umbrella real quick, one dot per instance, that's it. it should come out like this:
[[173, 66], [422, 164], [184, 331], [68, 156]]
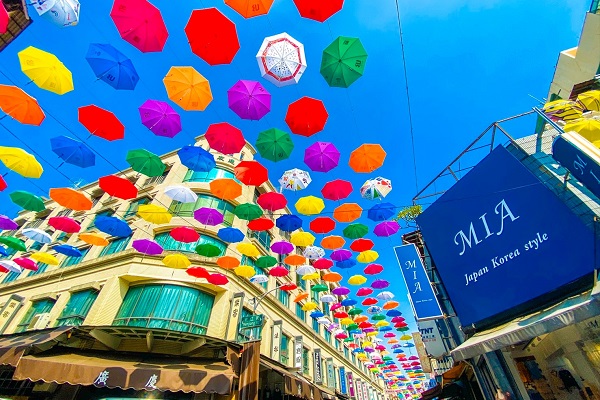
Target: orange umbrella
[[248, 8], [295, 259], [187, 88], [228, 262], [347, 212], [21, 106], [225, 188], [361, 318], [390, 305], [71, 198], [332, 277], [367, 158], [94, 239], [300, 297], [333, 242]]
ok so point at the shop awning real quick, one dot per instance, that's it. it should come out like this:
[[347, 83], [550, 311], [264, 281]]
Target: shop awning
[[455, 372], [565, 313], [14, 346], [103, 369], [327, 394], [296, 385]]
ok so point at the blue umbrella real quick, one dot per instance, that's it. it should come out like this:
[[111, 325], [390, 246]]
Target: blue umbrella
[[348, 302], [398, 351], [112, 226], [381, 212], [67, 250], [196, 158], [316, 314], [385, 328], [3, 251], [408, 345], [112, 66], [349, 263], [73, 151], [393, 313], [230, 235], [288, 222]]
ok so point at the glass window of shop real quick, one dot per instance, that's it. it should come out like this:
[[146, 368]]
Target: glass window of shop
[[77, 308], [207, 177], [37, 307], [284, 355], [186, 210], [168, 243]]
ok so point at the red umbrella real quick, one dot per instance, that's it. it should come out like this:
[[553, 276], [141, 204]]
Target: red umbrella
[[364, 291], [261, 224], [64, 224], [3, 184], [140, 23], [306, 116], [373, 269], [212, 36], [271, 201], [185, 234], [322, 225], [251, 173], [118, 187], [360, 245], [4, 19], [323, 263], [225, 138], [198, 272], [369, 301], [288, 286], [278, 271], [101, 123], [217, 279], [318, 10], [337, 189]]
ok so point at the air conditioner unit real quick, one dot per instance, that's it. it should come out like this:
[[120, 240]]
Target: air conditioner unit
[[39, 321]]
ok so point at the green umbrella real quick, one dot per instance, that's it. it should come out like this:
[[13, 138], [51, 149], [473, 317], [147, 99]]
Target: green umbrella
[[404, 329], [248, 211], [355, 231], [266, 262], [319, 288], [274, 144], [351, 327], [208, 250], [355, 311], [27, 200], [145, 162], [343, 61], [378, 317], [13, 243], [349, 339], [387, 358]]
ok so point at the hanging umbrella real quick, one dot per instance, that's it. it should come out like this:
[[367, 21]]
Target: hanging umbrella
[[225, 188], [279, 271], [112, 67], [260, 278], [27, 200], [346, 264], [369, 301], [21, 162], [381, 211], [196, 158], [282, 247], [343, 61], [318, 288], [182, 194], [341, 255], [288, 287], [71, 198], [305, 270], [62, 13], [245, 271], [94, 239], [294, 259], [115, 186], [327, 298], [386, 229], [261, 224], [566, 110], [248, 250], [306, 116], [11, 266], [112, 226], [373, 269], [230, 235], [249, 100], [45, 70], [266, 262], [590, 100], [4, 19], [341, 291], [37, 235], [73, 151], [212, 36], [251, 173], [376, 188], [225, 138], [185, 234], [393, 313], [322, 225], [154, 214], [19, 105], [160, 118], [295, 179], [321, 156], [302, 239], [347, 212], [318, 10], [288, 222], [357, 280], [281, 59], [380, 284], [217, 279], [322, 263], [7, 224], [272, 201], [247, 211], [176, 261], [208, 216], [336, 190], [250, 8], [100, 122], [333, 277], [228, 262], [309, 306], [45, 258], [332, 242], [355, 231], [367, 158], [390, 305], [364, 291], [67, 250], [198, 272], [187, 88], [309, 205], [140, 23], [367, 256], [13, 243], [360, 245], [385, 296], [147, 246], [145, 162], [274, 144], [208, 250], [588, 128]]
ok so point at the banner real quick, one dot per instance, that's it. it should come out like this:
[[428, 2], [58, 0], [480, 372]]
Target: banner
[[318, 374], [342, 372], [365, 391], [351, 389], [298, 352], [276, 340], [330, 374], [432, 338], [235, 314], [9, 310], [358, 386]]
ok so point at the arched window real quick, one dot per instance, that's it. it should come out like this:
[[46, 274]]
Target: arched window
[[168, 243], [186, 210], [206, 177]]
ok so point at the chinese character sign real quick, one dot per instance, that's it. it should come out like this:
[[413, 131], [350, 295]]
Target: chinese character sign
[[276, 340], [298, 352], [350, 384], [342, 371], [318, 375]]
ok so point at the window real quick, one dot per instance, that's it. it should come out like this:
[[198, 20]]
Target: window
[[36, 246], [263, 237], [245, 335], [300, 312], [326, 309], [156, 180], [63, 237], [170, 307], [346, 352], [284, 297], [9, 252], [315, 325], [41, 268], [168, 243], [115, 246], [206, 177], [252, 263], [204, 200], [11, 276], [300, 282], [63, 213], [305, 361], [105, 213], [284, 355], [327, 336], [134, 205], [37, 307], [68, 261], [77, 308]]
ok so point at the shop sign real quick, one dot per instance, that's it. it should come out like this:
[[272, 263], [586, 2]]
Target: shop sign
[[235, 313], [420, 293], [276, 340], [342, 372], [9, 310], [318, 376], [330, 373], [432, 338], [365, 391], [580, 157], [590, 329], [359, 393], [350, 379], [500, 230], [423, 358], [298, 352], [252, 321]]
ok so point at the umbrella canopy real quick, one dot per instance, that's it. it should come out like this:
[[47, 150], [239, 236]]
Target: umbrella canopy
[[19, 105], [387, 228], [247, 211], [343, 61], [100, 122], [11, 266], [381, 212], [367, 256], [37, 235], [140, 23], [208, 216], [118, 187], [321, 156], [228, 262], [225, 188], [208, 250], [145, 162], [373, 269], [355, 231], [67, 250], [279, 271], [71, 198], [332, 242], [154, 214], [45, 258], [249, 100], [566, 110], [182, 194], [245, 271], [260, 278], [281, 59], [45, 70], [266, 262], [13, 243], [147, 246], [225, 138], [380, 284], [302, 239], [248, 250], [376, 188], [333, 277], [337, 189], [294, 259], [261, 224], [251, 173], [230, 235], [187, 88], [4, 19], [111, 66], [282, 247], [361, 245], [341, 255], [185, 234], [288, 222], [177, 261], [347, 212], [250, 8], [320, 263], [27, 200], [295, 179], [367, 158], [7, 224], [306, 116], [309, 205], [212, 36], [217, 279], [198, 272], [21, 162], [160, 118], [272, 201], [62, 13], [364, 291], [588, 128], [322, 225], [196, 158], [274, 144], [590, 100], [73, 151], [317, 9], [112, 226]]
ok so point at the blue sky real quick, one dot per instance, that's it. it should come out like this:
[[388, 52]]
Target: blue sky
[[470, 62]]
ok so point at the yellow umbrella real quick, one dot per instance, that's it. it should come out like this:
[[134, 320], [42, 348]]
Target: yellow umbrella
[[45, 258], [590, 100], [248, 249], [588, 128], [374, 333], [45, 70], [357, 280], [310, 277], [94, 239], [21, 162], [310, 205], [302, 239], [379, 324], [567, 110], [309, 306], [187, 88], [177, 261], [366, 343], [367, 256], [346, 321], [245, 271], [405, 337], [154, 214]]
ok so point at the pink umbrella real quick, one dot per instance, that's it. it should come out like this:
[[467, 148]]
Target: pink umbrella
[[26, 263], [387, 228], [208, 216], [373, 269], [249, 100], [321, 156], [140, 23], [279, 271], [282, 247], [4, 19], [147, 246], [160, 118], [217, 279], [364, 291], [323, 263], [65, 224]]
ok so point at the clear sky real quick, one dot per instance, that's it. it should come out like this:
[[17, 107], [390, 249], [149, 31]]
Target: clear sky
[[470, 62]]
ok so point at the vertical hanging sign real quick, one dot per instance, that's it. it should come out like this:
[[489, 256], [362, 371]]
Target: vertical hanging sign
[[276, 340], [330, 374], [342, 372], [365, 393], [359, 393], [318, 375], [298, 352], [235, 314], [351, 391]]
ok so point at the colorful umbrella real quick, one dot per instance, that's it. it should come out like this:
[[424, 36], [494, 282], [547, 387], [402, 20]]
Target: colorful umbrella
[[196, 158], [249, 100], [45, 70], [336, 190], [225, 138], [261, 224], [380, 284], [347, 212], [272, 201], [182, 194], [176, 261], [251, 173], [71, 198], [45, 258], [282, 247], [112, 226], [355, 231], [198, 272], [208, 216], [62, 13], [367, 256], [227, 262], [322, 225], [67, 250], [112, 67], [566, 110], [4, 19], [73, 151], [248, 249], [346, 264], [115, 186], [37, 235], [373, 269], [317, 9], [288, 222], [247, 211], [321, 156], [230, 235], [306, 116], [19, 105], [266, 262], [320, 263], [367, 158], [260, 278], [279, 271], [140, 23], [225, 188], [154, 214], [364, 291], [7, 224], [27, 200], [302, 239], [381, 211], [185, 234], [187, 88], [343, 61], [147, 246], [208, 250], [590, 100], [212, 36], [295, 179], [250, 8], [217, 279], [11, 266], [294, 259], [386, 228], [245, 271], [333, 242], [376, 188], [13, 243], [360, 245], [145, 162], [588, 128], [100, 122], [334, 277], [160, 118], [281, 59], [21, 162], [274, 144], [309, 205]]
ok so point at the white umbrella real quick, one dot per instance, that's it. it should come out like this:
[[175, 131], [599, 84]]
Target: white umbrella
[[260, 278], [281, 59], [11, 266], [181, 193], [59, 12], [376, 188], [37, 235], [385, 296], [313, 252], [327, 298], [305, 270], [295, 179], [374, 310], [323, 321]]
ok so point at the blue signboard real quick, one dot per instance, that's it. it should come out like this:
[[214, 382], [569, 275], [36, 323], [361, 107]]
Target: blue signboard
[[420, 292], [580, 157], [342, 371], [500, 238]]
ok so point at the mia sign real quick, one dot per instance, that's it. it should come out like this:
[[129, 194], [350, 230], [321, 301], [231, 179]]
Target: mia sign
[[500, 238]]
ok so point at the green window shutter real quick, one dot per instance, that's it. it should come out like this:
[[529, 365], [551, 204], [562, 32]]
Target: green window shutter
[[206, 177], [37, 307], [115, 246], [284, 297], [11, 276], [315, 325], [300, 312], [41, 268], [77, 308], [328, 337], [284, 350], [68, 261]]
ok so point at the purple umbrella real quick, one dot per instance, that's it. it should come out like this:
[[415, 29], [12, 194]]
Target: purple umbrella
[[7, 223], [249, 99], [208, 216], [160, 118], [387, 228], [341, 255], [380, 284], [340, 291], [321, 156], [147, 246], [282, 247]]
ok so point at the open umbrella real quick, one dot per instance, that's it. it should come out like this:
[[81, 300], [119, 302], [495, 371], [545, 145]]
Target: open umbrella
[[251, 173], [306, 116], [217, 279], [302, 239], [247, 211], [295, 179], [381, 211], [11, 266], [182, 194], [140, 23], [248, 249], [347, 212], [62, 13], [208, 250], [73, 151], [225, 188], [587, 127], [45, 258], [208, 216], [250, 8], [249, 100], [294, 259], [367, 256], [111, 66], [386, 228], [272, 201], [261, 224], [145, 162], [355, 231], [274, 144], [198, 272], [266, 262], [332, 242], [147, 246], [321, 156], [225, 138], [94, 239], [4, 19], [112, 226], [367, 158], [343, 61], [7, 224], [341, 255], [184, 234], [376, 188], [100, 122], [45, 70], [71, 198], [260, 278], [282, 247], [212, 36], [320, 262], [196, 158], [21, 162], [279, 271], [13, 243], [361, 245], [176, 261], [37, 235], [281, 59], [373, 269], [227, 262], [230, 235], [187, 88], [27, 200], [154, 214], [19, 105], [322, 225], [245, 271], [318, 10], [337, 189], [590, 100], [309, 205], [115, 186], [67, 250], [160, 118], [288, 222], [563, 109]]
